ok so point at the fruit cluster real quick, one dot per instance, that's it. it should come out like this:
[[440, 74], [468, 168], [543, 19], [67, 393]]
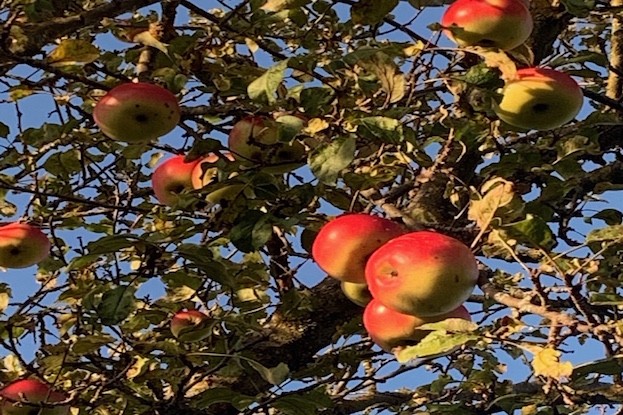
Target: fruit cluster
[[534, 98], [403, 279]]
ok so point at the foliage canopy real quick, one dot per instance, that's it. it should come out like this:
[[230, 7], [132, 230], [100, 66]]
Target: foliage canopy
[[398, 125]]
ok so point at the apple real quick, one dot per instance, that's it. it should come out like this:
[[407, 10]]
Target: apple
[[422, 273], [171, 178], [539, 99], [344, 244], [137, 112], [258, 139], [389, 328], [189, 325], [34, 392], [22, 245], [357, 293], [503, 24]]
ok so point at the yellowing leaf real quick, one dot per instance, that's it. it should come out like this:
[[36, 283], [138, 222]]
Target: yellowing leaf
[[147, 39], [547, 363], [496, 59], [415, 49], [72, 52], [138, 367], [251, 44], [392, 81], [496, 193], [316, 125], [529, 410]]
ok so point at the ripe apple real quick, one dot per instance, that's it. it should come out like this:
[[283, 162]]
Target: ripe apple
[[188, 325], [34, 392], [503, 24], [357, 293], [137, 112], [539, 99], [171, 178], [389, 328], [22, 245], [344, 244], [258, 139], [422, 273]]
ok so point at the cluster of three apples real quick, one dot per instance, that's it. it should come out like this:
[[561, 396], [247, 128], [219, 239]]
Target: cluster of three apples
[[413, 278], [535, 98]]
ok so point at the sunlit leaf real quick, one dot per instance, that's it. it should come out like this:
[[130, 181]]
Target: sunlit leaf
[[327, 162], [263, 89], [73, 51], [546, 362]]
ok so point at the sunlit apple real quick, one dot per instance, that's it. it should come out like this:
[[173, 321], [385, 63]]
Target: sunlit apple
[[137, 112], [22, 245]]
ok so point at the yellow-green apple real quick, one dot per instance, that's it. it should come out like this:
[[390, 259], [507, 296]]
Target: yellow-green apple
[[22, 245], [389, 328], [171, 178], [503, 24], [259, 139], [356, 292], [189, 325], [539, 99], [344, 244], [137, 112], [422, 273], [26, 396]]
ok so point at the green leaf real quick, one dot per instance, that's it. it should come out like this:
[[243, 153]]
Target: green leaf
[[91, 343], [201, 257], [315, 100], [534, 230], [609, 366], [435, 343], [610, 216], [4, 130], [610, 299], [275, 375], [327, 163], [386, 129], [252, 230], [371, 12], [604, 237], [263, 89], [221, 395], [304, 404], [111, 244], [116, 304]]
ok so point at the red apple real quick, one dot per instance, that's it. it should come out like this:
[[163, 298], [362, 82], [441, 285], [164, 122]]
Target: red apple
[[539, 99], [357, 293], [258, 139], [344, 244], [31, 391], [188, 325], [137, 112], [171, 178], [504, 24], [423, 273], [22, 245], [389, 328]]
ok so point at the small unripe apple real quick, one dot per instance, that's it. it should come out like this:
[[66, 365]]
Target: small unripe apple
[[503, 24], [422, 273], [137, 112], [34, 392], [171, 178], [539, 99], [389, 328], [22, 245], [186, 324], [258, 139], [357, 293], [344, 244]]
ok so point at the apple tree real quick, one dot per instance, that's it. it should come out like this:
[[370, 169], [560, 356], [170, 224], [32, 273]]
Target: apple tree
[[352, 106]]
